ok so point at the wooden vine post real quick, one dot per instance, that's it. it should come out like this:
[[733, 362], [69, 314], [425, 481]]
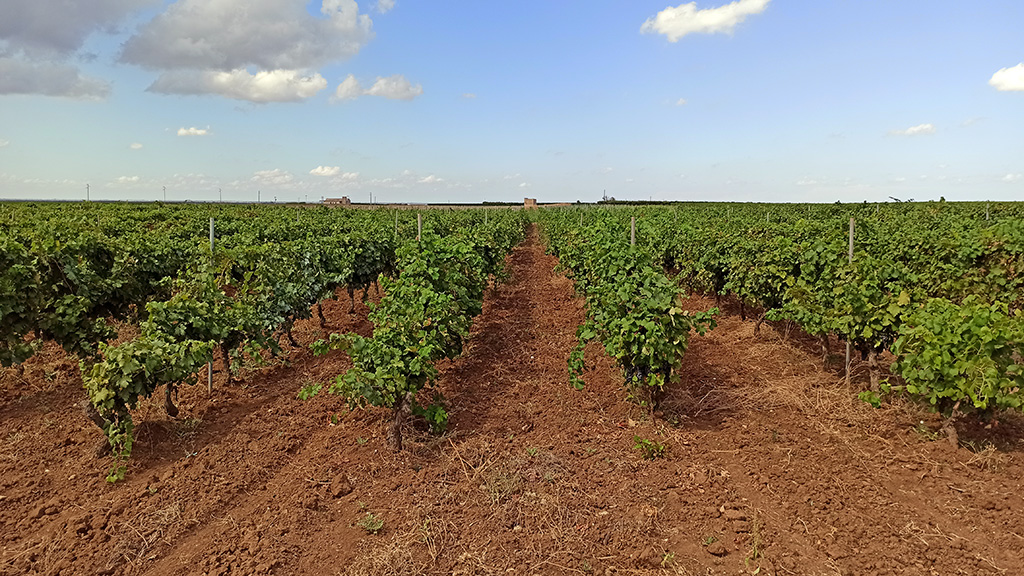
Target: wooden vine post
[[209, 365], [848, 343]]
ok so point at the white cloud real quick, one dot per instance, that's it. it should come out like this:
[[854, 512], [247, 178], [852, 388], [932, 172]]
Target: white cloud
[[405, 180], [39, 37], [193, 131], [808, 181], [681, 102], [469, 95], [19, 76], [524, 185], [254, 50], [349, 89], [232, 34], [1009, 79], [1012, 177], [261, 87], [275, 177], [127, 179], [918, 130], [49, 28], [326, 171], [135, 146], [395, 87], [385, 6], [4, 143], [685, 19]]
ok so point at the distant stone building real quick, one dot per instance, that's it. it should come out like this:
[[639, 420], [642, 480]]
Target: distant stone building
[[343, 201], [529, 203]]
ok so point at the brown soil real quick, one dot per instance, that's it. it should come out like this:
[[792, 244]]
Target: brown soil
[[770, 465]]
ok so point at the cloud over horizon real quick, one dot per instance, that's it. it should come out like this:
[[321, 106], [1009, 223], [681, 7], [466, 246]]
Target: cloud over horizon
[[193, 131], [274, 177]]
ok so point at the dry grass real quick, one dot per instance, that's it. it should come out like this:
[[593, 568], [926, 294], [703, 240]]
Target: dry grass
[[392, 559], [137, 535], [775, 372], [987, 457]]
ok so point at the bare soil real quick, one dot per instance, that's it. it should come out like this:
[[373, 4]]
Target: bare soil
[[771, 466]]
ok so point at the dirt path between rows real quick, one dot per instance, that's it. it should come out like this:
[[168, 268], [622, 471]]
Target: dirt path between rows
[[771, 467]]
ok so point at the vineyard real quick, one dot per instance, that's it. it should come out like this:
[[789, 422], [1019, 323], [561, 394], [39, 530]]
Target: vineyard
[[674, 389]]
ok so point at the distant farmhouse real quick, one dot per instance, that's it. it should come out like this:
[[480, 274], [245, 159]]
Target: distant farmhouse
[[528, 204]]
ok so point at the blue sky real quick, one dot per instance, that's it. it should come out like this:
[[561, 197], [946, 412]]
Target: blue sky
[[754, 100]]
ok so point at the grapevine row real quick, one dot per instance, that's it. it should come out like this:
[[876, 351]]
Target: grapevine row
[[633, 307]]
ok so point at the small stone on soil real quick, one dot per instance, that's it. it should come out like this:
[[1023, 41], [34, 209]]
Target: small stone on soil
[[717, 549]]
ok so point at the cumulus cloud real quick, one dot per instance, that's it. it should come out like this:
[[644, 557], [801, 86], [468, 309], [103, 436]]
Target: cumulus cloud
[[395, 87], [126, 179], [676, 22], [48, 28], [38, 38], [232, 34], [4, 143], [255, 50], [261, 87], [135, 146], [275, 177], [469, 95], [1012, 177], [681, 102], [193, 131], [385, 6], [918, 130], [46, 78], [326, 171], [1009, 79], [430, 180], [349, 89]]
